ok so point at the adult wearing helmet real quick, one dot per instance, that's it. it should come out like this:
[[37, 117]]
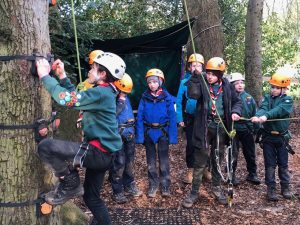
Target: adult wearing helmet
[[185, 109], [275, 134], [225, 106], [121, 173], [156, 129], [100, 128], [244, 131]]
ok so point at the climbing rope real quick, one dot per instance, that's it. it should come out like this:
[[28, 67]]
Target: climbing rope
[[269, 120], [231, 134], [76, 40]]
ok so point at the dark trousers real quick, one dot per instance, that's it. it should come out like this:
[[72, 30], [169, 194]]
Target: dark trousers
[[60, 154], [201, 156], [163, 157], [121, 172], [189, 152], [276, 154], [248, 146]]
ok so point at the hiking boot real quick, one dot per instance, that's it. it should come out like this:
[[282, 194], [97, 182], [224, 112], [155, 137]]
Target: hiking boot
[[152, 192], [189, 176], [69, 187], [271, 194], [219, 195], [94, 222], [119, 198], [207, 174], [165, 192], [286, 192], [253, 178], [133, 190], [235, 181], [190, 200]]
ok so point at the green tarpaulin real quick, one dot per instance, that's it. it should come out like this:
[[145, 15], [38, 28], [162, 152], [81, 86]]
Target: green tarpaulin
[[161, 49]]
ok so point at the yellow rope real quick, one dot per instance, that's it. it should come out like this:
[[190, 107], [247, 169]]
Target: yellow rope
[[232, 133], [76, 42], [292, 118]]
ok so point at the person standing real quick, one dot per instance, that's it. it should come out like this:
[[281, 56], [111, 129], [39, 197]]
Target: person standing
[[156, 129], [221, 108], [185, 110], [276, 106], [244, 131], [122, 171]]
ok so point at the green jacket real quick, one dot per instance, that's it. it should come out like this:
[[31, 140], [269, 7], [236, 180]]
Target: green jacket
[[279, 107], [248, 111], [99, 110]]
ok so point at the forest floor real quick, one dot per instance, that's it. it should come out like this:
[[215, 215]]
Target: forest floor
[[250, 205]]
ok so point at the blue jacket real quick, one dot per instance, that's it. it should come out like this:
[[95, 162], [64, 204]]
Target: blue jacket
[[183, 102], [159, 110], [187, 75], [125, 116]]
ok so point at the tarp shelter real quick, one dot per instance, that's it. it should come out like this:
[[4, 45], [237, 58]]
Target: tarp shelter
[[161, 49]]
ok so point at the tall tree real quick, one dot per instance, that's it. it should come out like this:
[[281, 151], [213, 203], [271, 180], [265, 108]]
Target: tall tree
[[23, 29], [253, 49], [207, 30]]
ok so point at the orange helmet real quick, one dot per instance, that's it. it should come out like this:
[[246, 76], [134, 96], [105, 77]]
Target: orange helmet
[[216, 63], [155, 72], [280, 79], [125, 84], [196, 58], [93, 55]]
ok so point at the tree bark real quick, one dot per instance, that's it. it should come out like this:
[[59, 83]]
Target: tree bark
[[253, 49], [207, 30], [23, 29]]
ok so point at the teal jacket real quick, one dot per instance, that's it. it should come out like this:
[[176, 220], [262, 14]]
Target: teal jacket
[[184, 104], [248, 111], [99, 110], [279, 107]]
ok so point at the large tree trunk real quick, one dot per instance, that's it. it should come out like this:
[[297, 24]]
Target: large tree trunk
[[23, 28], [253, 54], [207, 29]]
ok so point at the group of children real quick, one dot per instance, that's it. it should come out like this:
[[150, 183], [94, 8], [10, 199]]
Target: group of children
[[208, 106]]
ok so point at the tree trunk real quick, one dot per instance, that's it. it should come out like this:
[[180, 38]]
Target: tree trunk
[[253, 50], [207, 30], [23, 29]]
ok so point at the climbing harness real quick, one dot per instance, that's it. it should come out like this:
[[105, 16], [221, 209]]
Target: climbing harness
[[156, 126], [80, 155], [263, 135], [123, 126]]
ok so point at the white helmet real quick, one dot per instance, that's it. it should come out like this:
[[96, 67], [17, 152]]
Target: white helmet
[[114, 63], [235, 76]]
